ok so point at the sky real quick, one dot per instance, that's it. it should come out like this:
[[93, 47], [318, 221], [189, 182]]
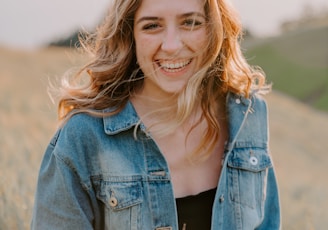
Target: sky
[[33, 23]]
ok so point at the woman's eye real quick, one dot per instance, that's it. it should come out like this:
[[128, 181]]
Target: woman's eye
[[150, 26], [192, 23]]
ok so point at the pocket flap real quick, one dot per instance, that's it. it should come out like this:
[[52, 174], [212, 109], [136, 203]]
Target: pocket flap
[[120, 195], [254, 160]]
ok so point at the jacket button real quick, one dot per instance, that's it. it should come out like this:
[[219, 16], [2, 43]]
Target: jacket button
[[113, 202], [238, 101], [221, 199], [253, 160]]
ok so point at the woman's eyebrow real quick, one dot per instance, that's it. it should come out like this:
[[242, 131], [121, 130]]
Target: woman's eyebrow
[[155, 18], [189, 14], [147, 18]]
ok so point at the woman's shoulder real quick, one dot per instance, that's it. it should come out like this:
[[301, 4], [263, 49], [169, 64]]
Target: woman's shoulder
[[255, 99], [77, 131], [248, 118], [258, 100], [82, 123], [97, 123], [77, 139]]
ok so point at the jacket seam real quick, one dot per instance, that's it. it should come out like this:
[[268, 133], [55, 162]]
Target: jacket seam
[[85, 186]]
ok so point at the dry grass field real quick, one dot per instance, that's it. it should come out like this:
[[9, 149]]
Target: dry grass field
[[299, 141]]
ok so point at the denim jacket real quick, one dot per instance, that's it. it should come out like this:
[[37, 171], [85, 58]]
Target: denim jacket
[[96, 175]]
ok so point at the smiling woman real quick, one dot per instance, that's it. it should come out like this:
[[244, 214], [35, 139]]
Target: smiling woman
[[169, 46], [170, 123]]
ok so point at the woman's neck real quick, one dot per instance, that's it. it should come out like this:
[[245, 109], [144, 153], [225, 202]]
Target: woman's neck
[[161, 113]]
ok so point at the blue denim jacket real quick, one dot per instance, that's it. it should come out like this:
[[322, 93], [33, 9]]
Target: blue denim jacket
[[96, 175]]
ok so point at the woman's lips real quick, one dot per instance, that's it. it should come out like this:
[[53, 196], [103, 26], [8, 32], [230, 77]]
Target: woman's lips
[[173, 66]]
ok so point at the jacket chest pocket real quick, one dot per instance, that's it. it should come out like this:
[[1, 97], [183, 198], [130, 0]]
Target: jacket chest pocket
[[121, 201], [247, 176]]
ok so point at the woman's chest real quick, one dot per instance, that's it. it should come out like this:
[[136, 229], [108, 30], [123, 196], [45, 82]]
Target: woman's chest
[[192, 172]]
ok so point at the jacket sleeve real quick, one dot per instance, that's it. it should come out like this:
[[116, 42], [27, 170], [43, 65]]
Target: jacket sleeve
[[61, 201], [272, 216]]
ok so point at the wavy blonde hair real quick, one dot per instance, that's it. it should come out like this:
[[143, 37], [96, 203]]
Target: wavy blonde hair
[[113, 74]]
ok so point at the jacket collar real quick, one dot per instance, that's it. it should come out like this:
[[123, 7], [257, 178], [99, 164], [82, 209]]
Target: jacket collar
[[238, 108], [124, 120]]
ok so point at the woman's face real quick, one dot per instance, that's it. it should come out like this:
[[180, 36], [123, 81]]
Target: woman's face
[[171, 38]]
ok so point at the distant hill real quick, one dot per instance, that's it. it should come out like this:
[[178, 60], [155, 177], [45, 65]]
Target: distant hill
[[296, 63], [70, 41]]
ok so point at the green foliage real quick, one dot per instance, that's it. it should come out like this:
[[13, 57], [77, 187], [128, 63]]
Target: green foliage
[[296, 63]]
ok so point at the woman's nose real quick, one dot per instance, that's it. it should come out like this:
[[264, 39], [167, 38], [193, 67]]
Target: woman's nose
[[172, 42]]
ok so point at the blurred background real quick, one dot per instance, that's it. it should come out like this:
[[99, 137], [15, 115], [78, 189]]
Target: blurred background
[[288, 39]]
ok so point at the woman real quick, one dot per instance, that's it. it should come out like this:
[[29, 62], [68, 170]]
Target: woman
[[168, 132]]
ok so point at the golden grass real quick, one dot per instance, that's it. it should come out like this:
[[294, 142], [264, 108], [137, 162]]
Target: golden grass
[[27, 122]]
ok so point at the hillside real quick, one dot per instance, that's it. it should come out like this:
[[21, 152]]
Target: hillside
[[27, 121], [299, 144], [296, 63]]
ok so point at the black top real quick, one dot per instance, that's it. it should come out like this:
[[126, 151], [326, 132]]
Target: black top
[[195, 212]]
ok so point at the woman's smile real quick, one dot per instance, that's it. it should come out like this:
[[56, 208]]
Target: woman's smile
[[173, 66]]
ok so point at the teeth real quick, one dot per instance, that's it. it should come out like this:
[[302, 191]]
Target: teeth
[[174, 66]]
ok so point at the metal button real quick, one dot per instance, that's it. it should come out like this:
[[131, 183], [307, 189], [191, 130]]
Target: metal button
[[253, 160], [113, 202], [221, 199], [238, 101]]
